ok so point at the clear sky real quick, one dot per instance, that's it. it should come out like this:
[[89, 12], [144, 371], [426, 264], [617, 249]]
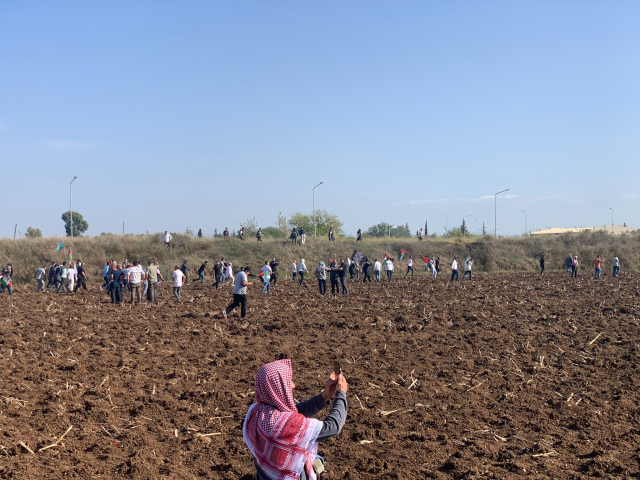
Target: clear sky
[[201, 114]]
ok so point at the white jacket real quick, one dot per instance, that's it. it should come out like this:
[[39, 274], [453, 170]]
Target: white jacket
[[302, 267], [294, 267], [454, 265]]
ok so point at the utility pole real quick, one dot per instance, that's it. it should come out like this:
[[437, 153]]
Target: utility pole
[[484, 230], [71, 210], [495, 212], [315, 230], [122, 228], [611, 219]]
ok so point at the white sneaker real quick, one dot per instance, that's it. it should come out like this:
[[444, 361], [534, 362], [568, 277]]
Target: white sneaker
[[224, 313]]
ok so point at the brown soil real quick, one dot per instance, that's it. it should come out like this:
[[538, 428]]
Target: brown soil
[[507, 376]]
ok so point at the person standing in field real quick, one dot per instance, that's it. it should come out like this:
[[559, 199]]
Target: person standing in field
[[241, 234], [597, 266], [82, 277], [229, 274], [454, 269], [616, 266], [321, 275], [574, 267], [259, 234], [352, 270], [226, 232], [152, 282], [343, 277], [201, 271], [543, 263], [166, 239], [105, 275], [303, 235], [266, 277], [365, 271], [302, 269], [334, 274], [420, 235], [467, 267], [52, 276], [239, 293], [217, 273], [388, 266], [71, 277], [410, 266], [134, 278], [185, 269], [40, 273], [569, 264], [434, 268], [116, 283], [359, 235], [331, 237], [377, 269], [294, 236], [274, 271], [294, 270], [200, 235], [178, 277]]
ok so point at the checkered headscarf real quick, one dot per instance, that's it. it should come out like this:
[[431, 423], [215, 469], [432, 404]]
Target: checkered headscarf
[[281, 440]]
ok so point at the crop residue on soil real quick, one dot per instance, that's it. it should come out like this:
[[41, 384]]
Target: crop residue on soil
[[506, 376]]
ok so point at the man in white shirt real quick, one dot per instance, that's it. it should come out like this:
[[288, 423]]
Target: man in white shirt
[[229, 275], [134, 277], [40, 278], [294, 270], [71, 277], [388, 266], [410, 266], [239, 293], [467, 267], [377, 269], [454, 269], [166, 238], [178, 278]]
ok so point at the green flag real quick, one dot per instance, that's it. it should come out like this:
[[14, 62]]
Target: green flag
[[60, 246]]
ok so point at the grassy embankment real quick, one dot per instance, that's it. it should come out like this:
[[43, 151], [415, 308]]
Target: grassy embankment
[[489, 254]]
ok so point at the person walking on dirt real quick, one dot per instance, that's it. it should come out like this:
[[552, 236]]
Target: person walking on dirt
[[543, 263], [343, 277], [266, 278], [569, 264], [597, 266], [276, 423], [274, 271], [410, 266], [217, 273], [64, 284], [152, 281], [105, 275], [574, 267], [294, 270], [116, 283], [434, 268], [52, 276], [616, 266], [134, 278], [352, 270], [40, 273], [437, 266], [71, 278], [178, 278], [185, 269], [294, 236], [321, 275], [454, 269], [239, 293], [302, 269], [228, 274], [166, 239], [377, 269], [365, 271], [334, 273], [56, 278], [388, 266], [467, 267], [82, 277], [201, 271], [303, 236]]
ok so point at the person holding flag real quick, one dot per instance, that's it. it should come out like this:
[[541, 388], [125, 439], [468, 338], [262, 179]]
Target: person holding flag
[[467, 267], [402, 252], [410, 266], [5, 283]]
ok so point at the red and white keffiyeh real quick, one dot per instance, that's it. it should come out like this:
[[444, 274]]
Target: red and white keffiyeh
[[281, 440]]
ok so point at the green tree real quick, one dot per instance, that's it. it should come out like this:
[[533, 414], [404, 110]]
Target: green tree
[[383, 229], [80, 225], [33, 233], [250, 227], [323, 219], [379, 230], [282, 223], [273, 232], [453, 232], [463, 228]]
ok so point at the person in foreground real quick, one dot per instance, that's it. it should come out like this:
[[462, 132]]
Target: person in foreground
[[279, 433]]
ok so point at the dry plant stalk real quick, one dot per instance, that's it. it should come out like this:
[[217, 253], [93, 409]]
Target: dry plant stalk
[[23, 445]]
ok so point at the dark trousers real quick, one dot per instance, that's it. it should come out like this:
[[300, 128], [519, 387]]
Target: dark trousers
[[152, 292], [574, 271], [389, 274], [366, 275], [343, 282], [274, 279], [238, 300], [322, 285], [409, 269], [464, 275], [106, 282], [616, 271], [301, 277], [82, 282], [541, 269], [335, 288], [295, 274], [218, 280], [454, 274], [116, 293]]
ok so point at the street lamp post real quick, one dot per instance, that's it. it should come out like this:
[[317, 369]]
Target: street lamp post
[[446, 222], [526, 224], [390, 227], [70, 209], [314, 210], [495, 212], [611, 218]]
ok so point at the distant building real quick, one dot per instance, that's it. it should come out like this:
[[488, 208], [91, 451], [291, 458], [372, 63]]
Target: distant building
[[615, 229]]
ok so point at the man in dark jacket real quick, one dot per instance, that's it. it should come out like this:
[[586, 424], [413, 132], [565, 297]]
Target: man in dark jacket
[[569, 263], [352, 270], [542, 264], [217, 272], [343, 278], [52, 275], [365, 271], [201, 271], [82, 277], [333, 277], [294, 236], [274, 267], [184, 269]]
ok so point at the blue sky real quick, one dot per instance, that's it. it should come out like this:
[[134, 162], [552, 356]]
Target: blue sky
[[202, 114]]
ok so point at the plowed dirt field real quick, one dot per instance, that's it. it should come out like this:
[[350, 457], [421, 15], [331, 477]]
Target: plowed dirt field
[[506, 376]]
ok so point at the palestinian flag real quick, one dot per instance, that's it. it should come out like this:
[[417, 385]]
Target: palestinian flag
[[468, 258], [402, 252], [386, 257], [426, 260], [5, 281], [60, 247], [69, 256]]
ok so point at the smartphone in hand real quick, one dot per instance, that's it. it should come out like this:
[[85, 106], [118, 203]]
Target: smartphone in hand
[[337, 368]]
